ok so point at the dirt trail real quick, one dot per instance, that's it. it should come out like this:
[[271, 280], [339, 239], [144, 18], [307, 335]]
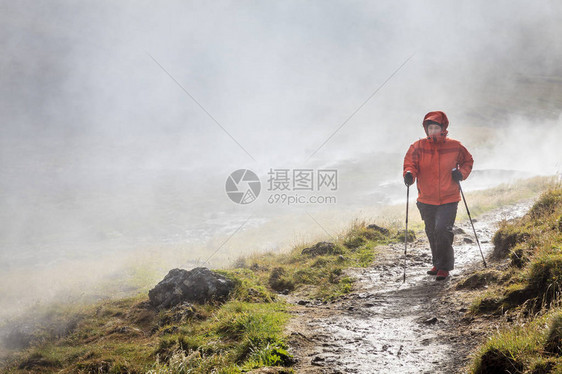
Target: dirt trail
[[387, 326]]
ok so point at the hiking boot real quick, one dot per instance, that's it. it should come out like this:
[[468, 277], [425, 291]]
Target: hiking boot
[[433, 271], [442, 274]]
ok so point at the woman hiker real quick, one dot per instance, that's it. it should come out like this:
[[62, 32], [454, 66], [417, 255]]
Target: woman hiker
[[438, 163]]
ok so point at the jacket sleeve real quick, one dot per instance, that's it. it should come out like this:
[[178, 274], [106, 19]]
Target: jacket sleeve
[[465, 162], [411, 161]]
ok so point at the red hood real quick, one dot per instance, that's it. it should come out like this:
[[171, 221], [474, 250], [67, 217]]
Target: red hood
[[437, 116]]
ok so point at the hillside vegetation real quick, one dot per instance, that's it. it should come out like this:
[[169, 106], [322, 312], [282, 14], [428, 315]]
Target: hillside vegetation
[[524, 289], [247, 331], [244, 333]]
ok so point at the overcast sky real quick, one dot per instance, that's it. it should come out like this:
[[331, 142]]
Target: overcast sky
[[279, 77]]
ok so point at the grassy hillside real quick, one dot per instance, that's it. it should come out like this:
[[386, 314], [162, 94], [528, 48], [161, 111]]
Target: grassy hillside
[[524, 289], [247, 331]]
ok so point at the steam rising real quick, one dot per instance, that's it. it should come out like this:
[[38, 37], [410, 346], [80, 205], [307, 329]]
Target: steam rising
[[103, 156]]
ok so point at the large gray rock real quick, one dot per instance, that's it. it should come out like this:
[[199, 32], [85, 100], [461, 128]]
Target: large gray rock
[[199, 285]]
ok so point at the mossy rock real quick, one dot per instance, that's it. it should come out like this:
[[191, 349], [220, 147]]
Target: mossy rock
[[517, 295], [487, 305], [543, 284], [322, 248], [495, 361], [376, 233], [374, 236], [377, 228], [479, 280], [506, 238]]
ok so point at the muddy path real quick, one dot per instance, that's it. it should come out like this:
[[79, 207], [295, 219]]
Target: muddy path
[[387, 326]]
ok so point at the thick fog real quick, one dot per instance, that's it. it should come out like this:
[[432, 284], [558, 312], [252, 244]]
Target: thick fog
[[121, 121]]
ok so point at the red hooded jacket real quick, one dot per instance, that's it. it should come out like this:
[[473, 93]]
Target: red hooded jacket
[[431, 161]]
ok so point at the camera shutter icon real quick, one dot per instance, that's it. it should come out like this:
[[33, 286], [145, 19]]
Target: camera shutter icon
[[243, 186]]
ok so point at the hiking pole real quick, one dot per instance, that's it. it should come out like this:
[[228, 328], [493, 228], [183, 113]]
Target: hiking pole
[[406, 234], [473, 229]]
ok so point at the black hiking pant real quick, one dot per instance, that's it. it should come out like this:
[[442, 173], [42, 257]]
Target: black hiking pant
[[439, 221]]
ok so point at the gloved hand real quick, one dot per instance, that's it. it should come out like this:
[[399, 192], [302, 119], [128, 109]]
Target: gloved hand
[[457, 176], [408, 179]]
